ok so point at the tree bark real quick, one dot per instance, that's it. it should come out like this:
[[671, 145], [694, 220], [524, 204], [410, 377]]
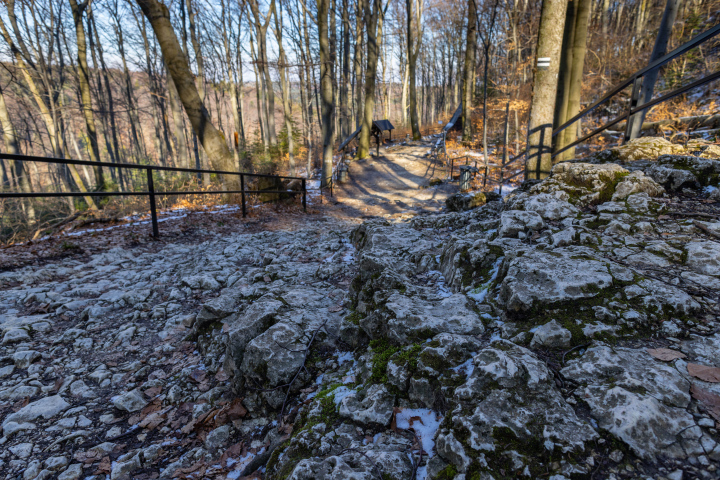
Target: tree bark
[[326, 91], [13, 147], [579, 47], [285, 86], [211, 138], [78, 12], [538, 162], [469, 70], [413, 48], [372, 14]]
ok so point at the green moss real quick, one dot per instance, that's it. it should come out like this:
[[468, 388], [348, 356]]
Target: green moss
[[353, 317], [447, 473], [382, 351], [409, 356]]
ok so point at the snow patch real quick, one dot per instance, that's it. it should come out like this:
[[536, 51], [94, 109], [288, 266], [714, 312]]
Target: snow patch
[[425, 422]]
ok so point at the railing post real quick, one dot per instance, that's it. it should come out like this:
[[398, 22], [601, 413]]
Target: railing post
[[153, 208], [304, 199], [634, 100], [505, 142], [242, 194]]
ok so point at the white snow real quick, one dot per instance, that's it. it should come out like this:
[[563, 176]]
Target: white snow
[[344, 357], [479, 293], [340, 393], [467, 367], [442, 290], [242, 462], [424, 421]]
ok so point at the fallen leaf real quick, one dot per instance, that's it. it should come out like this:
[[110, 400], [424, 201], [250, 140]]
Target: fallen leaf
[[151, 407], [153, 392], [134, 419], [230, 412], [198, 376], [87, 457], [709, 401], [703, 372], [221, 376], [105, 466], [153, 420], [665, 354], [267, 279], [335, 308], [233, 451]]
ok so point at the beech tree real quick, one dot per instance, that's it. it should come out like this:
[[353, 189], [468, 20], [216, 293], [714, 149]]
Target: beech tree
[[210, 137]]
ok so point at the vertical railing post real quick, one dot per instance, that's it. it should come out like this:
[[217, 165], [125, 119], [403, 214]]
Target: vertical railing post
[[634, 100], [505, 145], [153, 207], [304, 199], [242, 194]]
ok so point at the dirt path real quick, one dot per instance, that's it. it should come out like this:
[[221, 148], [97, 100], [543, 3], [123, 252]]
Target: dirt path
[[395, 183]]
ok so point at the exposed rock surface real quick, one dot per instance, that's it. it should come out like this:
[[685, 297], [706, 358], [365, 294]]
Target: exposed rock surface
[[557, 333]]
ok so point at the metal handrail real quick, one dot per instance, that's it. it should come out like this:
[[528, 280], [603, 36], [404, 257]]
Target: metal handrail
[[151, 193], [633, 108]]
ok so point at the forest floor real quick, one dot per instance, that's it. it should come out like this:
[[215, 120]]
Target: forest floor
[[394, 183]]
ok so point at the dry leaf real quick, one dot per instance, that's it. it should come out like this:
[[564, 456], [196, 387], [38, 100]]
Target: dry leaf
[[709, 401], [198, 376], [86, 457], [153, 420], [105, 466], [665, 354], [233, 451], [153, 391], [703, 372], [267, 279], [221, 376], [335, 308]]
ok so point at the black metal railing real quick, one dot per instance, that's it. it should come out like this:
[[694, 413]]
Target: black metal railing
[[151, 193], [634, 105]]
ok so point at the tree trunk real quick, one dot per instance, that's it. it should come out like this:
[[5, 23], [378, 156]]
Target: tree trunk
[[469, 70], [659, 50], [579, 47], [326, 91], [264, 67], [78, 12], [285, 86], [358, 63], [372, 14], [412, 53], [17, 168], [179, 130], [344, 99], [210, 137], [538, 163]]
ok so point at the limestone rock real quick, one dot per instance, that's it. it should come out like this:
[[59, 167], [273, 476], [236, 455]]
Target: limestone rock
[[550, 207], [131, 401], [552, 335], [409, 318], [638, 399], [374, 406], [513, 222], [460, 202], [704, 257], [552, 277], [582, 183], [46, 408], [636, 183], [646, 148]]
